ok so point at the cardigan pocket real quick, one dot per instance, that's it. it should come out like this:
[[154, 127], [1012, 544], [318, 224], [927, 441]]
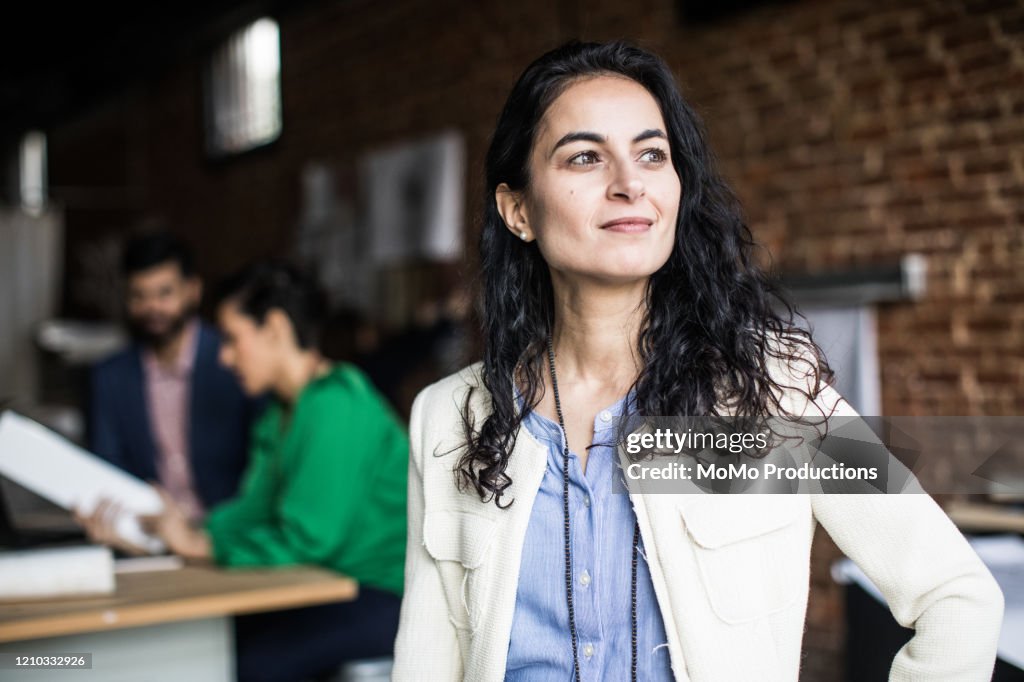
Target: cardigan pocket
[[748, 552], [459, 541]]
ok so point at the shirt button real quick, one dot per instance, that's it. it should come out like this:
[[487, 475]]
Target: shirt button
[[586, 500], [585, 578], [588, 650], [606, 416]]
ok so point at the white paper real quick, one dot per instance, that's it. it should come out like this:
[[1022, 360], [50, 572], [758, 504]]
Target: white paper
[[55, 572], [415, 202], [148, 564], [51, 466]]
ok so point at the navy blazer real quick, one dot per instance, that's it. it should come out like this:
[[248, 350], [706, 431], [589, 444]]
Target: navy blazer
[[220, 416]]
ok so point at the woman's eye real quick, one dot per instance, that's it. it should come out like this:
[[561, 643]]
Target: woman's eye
[[654, 156], [583, 159]]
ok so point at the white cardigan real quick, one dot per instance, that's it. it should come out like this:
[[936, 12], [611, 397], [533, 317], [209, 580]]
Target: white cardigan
[[730, 572]]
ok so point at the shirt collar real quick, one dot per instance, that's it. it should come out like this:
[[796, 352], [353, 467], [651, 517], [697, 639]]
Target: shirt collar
[[550, 432]]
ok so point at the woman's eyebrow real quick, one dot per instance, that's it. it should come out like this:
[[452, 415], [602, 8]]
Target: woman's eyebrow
[[578, 136], [650, 134], [587, 136]]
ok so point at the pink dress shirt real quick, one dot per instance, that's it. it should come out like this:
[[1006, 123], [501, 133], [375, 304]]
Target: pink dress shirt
[[168, 390]]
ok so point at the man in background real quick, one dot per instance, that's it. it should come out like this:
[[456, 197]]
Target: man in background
[[164, 409]]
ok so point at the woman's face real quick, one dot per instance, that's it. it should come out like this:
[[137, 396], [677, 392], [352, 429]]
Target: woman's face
[[249, 349], [603, 195]]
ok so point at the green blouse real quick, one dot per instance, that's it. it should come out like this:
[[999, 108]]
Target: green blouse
[[326, 485]]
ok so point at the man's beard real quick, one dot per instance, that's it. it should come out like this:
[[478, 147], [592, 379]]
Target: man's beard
[[158, 340]]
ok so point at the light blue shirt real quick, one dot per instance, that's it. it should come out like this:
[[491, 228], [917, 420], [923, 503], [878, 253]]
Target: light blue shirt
[[601, 534]]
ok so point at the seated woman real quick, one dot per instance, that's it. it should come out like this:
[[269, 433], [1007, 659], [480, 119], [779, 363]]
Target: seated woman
[[326, 484]]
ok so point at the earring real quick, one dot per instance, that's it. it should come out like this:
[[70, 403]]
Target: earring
[[522, 235]]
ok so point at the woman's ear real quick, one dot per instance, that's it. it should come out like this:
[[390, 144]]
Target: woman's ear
[[513, 211], [279, 327]]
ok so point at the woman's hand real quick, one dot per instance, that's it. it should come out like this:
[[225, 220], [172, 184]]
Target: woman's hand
[[100, 526], [173, 527]]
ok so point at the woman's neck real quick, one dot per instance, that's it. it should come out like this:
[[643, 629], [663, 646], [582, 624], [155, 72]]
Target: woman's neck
[[596, 330], [296, 372]]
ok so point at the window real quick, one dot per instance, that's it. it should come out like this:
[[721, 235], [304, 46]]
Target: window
[[848, 336], [32, 172], [243, 90]]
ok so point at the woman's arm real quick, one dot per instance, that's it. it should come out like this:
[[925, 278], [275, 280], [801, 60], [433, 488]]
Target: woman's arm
[[427, 646], [173, 527], [300, 507], [932, 580]]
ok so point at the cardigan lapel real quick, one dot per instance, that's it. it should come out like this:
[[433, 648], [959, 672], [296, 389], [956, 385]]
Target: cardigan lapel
[[526, 467]]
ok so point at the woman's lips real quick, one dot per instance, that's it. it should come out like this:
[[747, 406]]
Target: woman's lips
[[629, 225]]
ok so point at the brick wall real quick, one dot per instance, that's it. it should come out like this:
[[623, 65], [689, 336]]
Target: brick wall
[[852, 131], [857, 132], [861, 131]]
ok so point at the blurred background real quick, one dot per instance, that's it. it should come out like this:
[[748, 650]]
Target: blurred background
[[878, 148]]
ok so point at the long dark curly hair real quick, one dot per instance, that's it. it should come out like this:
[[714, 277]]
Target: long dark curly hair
[[713, 319]]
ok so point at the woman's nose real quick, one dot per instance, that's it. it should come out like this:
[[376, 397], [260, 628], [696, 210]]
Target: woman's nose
[[626, 184]]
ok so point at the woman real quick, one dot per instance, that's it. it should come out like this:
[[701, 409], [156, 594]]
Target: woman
[[618, 279], [325, 485]]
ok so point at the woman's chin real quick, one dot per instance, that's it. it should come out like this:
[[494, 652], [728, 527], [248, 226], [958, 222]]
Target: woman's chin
[[619, 276], [253, 388], [628, 270]]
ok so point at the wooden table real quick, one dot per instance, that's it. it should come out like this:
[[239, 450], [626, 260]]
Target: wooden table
[[986, 518], [159, 625]]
